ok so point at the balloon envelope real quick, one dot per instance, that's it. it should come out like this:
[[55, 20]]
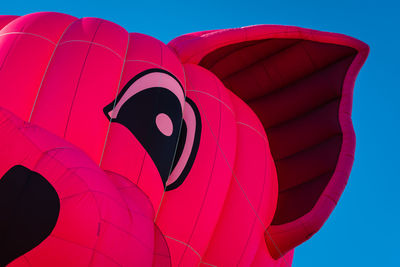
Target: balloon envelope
[[226, 147]]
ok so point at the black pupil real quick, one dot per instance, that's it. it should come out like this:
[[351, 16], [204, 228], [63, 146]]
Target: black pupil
[[139, 115]]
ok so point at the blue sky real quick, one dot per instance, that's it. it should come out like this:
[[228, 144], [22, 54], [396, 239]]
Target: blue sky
[[364, 228]]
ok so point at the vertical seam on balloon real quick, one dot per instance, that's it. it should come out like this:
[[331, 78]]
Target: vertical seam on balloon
[[206, 249], [266, 230], [259, 202], [242, 190], [115, 100], [79, 80], [109, 124], [141, 168], [215, 157], [211, 174], [46, 70], [176, 147]]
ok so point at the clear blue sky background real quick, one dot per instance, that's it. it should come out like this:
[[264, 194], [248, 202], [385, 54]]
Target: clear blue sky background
[[364, 228]]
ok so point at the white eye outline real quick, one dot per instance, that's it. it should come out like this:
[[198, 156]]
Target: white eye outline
[[143, 81]]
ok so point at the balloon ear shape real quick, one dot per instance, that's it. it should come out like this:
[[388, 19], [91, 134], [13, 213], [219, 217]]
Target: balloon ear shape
[[153, 107], [300, 84]]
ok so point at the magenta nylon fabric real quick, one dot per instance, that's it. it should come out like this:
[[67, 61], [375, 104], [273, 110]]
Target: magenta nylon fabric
[[114, 207]]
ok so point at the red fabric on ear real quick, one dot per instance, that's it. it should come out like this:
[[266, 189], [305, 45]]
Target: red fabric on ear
[[299, 82]]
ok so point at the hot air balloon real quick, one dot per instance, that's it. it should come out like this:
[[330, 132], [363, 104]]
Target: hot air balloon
[[221, 148]]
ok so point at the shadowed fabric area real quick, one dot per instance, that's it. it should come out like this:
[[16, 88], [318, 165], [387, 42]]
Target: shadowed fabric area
[[295, 89]]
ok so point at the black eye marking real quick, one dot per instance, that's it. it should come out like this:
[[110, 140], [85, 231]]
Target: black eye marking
[[29, 209], [151, 107]]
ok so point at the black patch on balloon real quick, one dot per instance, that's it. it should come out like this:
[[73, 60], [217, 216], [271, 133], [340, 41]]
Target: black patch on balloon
[[138, 114], [29, 209]]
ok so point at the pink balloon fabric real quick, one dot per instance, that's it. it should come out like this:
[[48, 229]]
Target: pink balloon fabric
[[222, 148], [103, 220]]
